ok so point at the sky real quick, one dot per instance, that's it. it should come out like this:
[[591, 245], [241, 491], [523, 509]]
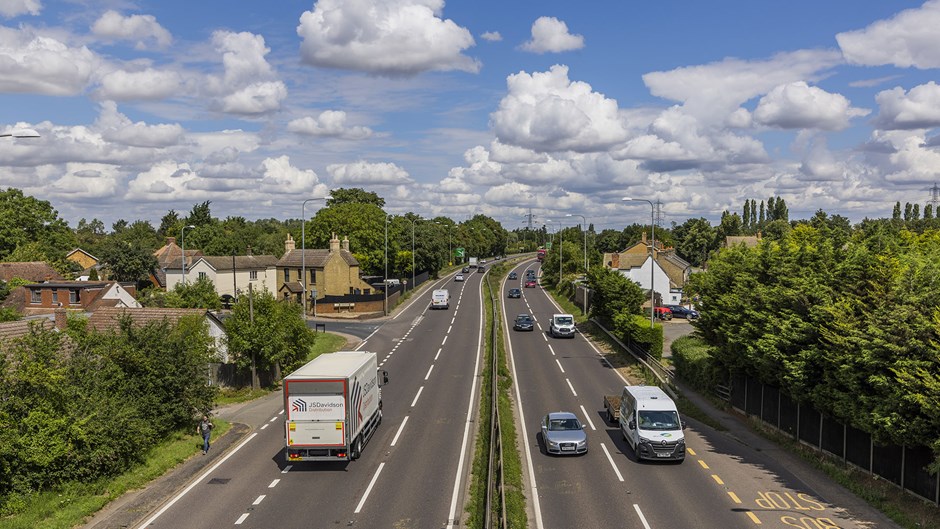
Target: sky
[[463, 108]]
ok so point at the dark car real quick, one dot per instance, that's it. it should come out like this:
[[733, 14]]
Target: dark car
[[678, 311], [514, 293], [466, 270], [513, 275], [523, 322], [530, 283], [481, 270]]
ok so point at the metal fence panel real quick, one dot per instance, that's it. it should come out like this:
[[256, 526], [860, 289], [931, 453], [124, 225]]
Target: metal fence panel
[[789, 413], [858, 447], [739, 392], [754, 393], [833, 436], [770, 410], [809, 425], [886, 462], [916, 477]]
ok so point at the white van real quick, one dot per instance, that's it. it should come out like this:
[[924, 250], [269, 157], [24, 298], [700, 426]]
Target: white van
[[562, 325], [440, 299], [650, 423]]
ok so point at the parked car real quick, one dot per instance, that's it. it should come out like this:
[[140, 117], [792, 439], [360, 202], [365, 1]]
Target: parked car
[[458, 277], [523, 322], [663, 313], [530, 283], [514, 293], [679, 311], [563, 434], [513, 275]]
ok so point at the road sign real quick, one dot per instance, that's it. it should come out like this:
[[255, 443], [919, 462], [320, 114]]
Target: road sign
[[458, 252]]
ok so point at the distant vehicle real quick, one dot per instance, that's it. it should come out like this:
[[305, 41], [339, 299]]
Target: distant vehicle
[[679, 311], [563, 434], [473, 262], [513, 275], [530, 274], [482, 261], [530, 283], [466, 270], [514, 293], [540, 254], [332, 406], [458, 277], [523, 322], [498, 257], [440, 299], [650, 423], [562, 326], [663, 313], [481, 269]]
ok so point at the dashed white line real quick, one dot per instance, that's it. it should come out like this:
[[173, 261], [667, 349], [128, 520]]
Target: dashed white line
[[557, 361], [444, 341], [429, 372], [400, 428], [588, 417], [551, 349], [273, 419], [265, 425], [438, 353], [449, 328], [365, 495], [573, 392], [640, 514], [452, 320], [416, 396], [287, 469], [616, 470], [258, 500], [241, 519], [274, 483], [280, 412]]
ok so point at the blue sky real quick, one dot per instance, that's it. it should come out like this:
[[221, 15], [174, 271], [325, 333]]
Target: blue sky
[[470, 107]]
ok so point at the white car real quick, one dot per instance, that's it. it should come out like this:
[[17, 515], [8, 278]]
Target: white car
[[458, 277]]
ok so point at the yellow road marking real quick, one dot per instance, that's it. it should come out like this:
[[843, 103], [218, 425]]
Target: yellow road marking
[[734, 497], [700, 462], [753, 518], [717, 479], [690, 451]]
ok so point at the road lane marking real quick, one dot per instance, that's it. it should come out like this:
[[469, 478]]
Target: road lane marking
[[588, 417], [274, 483], [449, 328], [429, 372], [690, 451], [365, 495], [444, 341], [717, 479], [734, 497], [573, 392], [416, 396], [196, 482], [400, 428], [241, 519], [551, 349], [612, 464], [559, 367], [273, 419], [280, 412], [438, 353], [753, 518], [704, 465], [640, 514], [258, 500], [452, 320], [287, 469], [265, 425]]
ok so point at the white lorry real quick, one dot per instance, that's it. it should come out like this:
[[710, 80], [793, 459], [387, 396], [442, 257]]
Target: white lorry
[[473, 262], [440, 299], [650, 423], [332, 406]]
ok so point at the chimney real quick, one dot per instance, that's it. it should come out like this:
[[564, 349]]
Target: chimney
[[334, 244], [170, 240], [758, 235], [345, 243], [643, 239], [61, 319], [248, 251], [289, 244], [615, 261]]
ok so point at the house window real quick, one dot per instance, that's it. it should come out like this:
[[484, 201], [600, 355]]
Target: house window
[[55, 297], [74, 298], [35, 295], [253, 275], [287, 275], [202, 275], [313, 276]]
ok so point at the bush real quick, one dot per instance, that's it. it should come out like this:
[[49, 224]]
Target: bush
[[694, 363], [636, 328]]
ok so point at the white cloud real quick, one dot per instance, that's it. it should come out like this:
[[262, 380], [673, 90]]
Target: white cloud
[[140, 28], [392, 37], [121, 85], [908, 39], [545, 111], [492, 36], [86, 181], [248, 85], [330, 123], [550, 35], [917, 109], [164, 181], [366, 173], [800, 106], [15, 8], [256, 98], [44, 65], [118, 129], [819, 164], [281, 177], [480, 169]]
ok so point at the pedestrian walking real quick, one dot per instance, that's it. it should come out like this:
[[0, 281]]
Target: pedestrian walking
[[205, 428]]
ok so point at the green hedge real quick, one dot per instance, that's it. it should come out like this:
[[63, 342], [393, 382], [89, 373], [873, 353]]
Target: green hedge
[[636, 328], [694, 363]]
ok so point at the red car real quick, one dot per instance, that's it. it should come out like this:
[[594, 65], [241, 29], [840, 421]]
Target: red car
[[530, 283], [663, 313]]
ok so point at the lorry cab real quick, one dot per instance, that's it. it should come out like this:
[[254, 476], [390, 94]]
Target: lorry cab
[[650, 423], [440, 299], [562, 326]]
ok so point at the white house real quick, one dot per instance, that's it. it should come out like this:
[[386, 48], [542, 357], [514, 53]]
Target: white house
[[231, 275], [641, 276]]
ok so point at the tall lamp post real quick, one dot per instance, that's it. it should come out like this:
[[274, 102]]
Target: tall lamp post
[[584, 225], [652, 253], [20, 133], [413, 221], [385, 285], [183, 249], [303, 251]]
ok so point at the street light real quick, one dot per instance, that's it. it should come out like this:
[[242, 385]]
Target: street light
[[652, 252], [584, 224], [413, 221], [385, 285], [303, 253], [20, 133], [183, 249]]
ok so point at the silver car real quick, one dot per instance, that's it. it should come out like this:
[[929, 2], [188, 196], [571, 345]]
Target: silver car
[[563, 434]]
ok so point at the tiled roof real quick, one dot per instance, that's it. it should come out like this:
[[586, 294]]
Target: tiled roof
[[82, 251], [314, 258], [108, 318], [242, 262], [169, 254], [11, 330], [30, 271], [294, 287]]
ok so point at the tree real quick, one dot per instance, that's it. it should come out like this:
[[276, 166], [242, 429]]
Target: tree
[[907, 212], [896, 212], [354, 195], [126, 261], [762, 214], [695, 238], [928, 211], [198, 294], [200, 215], [24, 220], [170, 224], [746, 216], [363, 224], [613, 293]]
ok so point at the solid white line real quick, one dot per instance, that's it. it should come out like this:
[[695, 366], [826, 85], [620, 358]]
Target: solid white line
[[274, 483], [258, 500], [416, 396], [557, 361], [429, 372], [400, 428], [369, 488], [588, 417], [640, 514], [265, 425], [550, 348], [616, 470], [444, 341], [195, 482], [438, 353], [573, 392], [287, 469], [241, 519]]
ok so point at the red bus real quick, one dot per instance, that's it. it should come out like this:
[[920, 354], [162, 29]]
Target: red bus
[[540, 253]]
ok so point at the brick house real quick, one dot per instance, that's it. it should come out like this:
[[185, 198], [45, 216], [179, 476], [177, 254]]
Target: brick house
[[670, 272], [170, 255], [87, 296]]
